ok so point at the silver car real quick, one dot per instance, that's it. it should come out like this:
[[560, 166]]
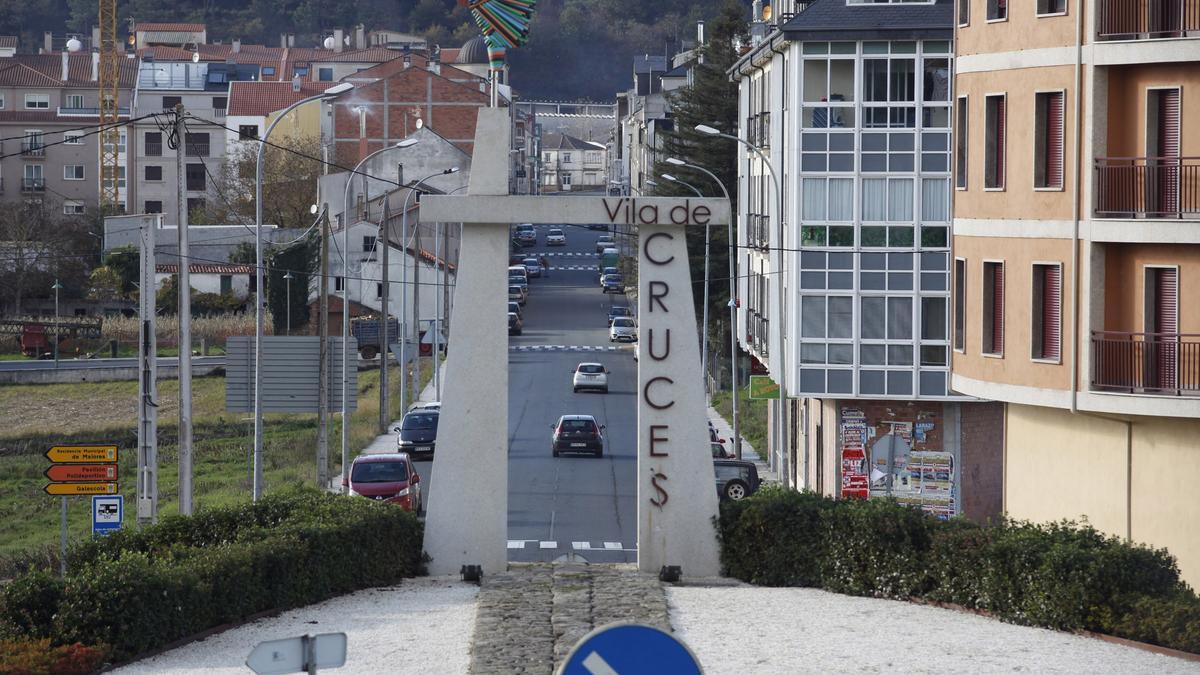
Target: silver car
[[623, 329]]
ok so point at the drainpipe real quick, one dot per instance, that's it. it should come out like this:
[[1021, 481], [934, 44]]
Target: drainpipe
[[1076, 191]]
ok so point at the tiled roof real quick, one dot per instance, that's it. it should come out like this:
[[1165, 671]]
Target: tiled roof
[[420, 61], [261, 98], [45, 70], [831, 19], [44, 117], [556, 141], [207, 268], [368, 55], [182, 27], [8, 42]]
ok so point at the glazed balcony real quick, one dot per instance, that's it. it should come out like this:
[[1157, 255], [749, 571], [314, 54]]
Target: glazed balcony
[[1148, 187], [1161, 364], [1147, 19]]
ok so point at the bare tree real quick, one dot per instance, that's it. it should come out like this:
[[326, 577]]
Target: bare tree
[[289, 182], [36, 247]]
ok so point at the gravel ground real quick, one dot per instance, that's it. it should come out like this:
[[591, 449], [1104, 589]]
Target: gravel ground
[[423, 625], [746, 629]]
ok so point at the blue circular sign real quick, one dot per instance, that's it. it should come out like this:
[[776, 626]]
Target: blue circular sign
[[630, 649]]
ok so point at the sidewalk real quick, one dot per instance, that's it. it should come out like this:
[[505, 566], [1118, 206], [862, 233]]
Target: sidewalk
[[725, 430], [387, 442]]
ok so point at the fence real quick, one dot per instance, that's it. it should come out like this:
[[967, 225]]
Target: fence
[[1148, 187], [1146, 363], [1146, 19]]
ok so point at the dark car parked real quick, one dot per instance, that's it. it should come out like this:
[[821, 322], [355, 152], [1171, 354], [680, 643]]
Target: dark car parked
[[577, 433], [618, 310], [390, 478], [514, 323], [418, 431], [736, 479]]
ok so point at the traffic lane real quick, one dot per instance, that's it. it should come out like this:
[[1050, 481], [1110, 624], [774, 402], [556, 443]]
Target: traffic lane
[[570, 310], [571, 498]]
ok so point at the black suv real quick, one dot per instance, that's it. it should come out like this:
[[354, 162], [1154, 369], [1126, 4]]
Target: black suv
[[736, 479], [577, 433], [418, 431]]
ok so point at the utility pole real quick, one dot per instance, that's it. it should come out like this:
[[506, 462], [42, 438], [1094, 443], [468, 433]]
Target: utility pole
[[147, 469], [323, 339], [385, 225], [435, 340], [185, 321], [416, 378]]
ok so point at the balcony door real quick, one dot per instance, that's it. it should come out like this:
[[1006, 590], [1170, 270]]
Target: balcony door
[[1162, 150], [1161, 317]]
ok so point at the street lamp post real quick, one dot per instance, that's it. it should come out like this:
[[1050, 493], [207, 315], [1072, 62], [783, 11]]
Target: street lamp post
[[704, 309], [57, 287], [705, 129], [733, 350], [287, 278], [346, 222], [335, 90]]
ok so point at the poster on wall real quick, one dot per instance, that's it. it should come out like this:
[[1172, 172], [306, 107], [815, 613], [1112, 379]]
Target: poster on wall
[[853, 428]]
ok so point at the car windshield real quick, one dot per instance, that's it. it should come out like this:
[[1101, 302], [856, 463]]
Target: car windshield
[[556, 233], [422, 420], [619, 311], [512, 317], [531, 261], [614, 278], [514, 290], [591, 368], [622, 322], [379, 472], [610, 270], [577, 425], [731, 471]]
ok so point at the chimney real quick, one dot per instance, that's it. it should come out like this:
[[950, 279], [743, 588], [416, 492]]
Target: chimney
[[283, 41], [47, 43], [756, 11], [360, 37], [66, 65], [296, 83], [407, 60], [237, 46], [96, 38], [699, 33], [435, 60], [339, 37], [96, 65]]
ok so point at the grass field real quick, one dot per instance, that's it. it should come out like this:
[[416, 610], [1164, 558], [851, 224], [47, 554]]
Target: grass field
[[753, 414], [34, 417]]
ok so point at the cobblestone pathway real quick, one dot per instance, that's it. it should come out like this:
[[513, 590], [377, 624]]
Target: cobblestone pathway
[[530, 617]]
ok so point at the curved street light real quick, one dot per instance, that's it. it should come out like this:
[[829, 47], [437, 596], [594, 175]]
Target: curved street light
[[332, 92], [704, 305], [783, 440]]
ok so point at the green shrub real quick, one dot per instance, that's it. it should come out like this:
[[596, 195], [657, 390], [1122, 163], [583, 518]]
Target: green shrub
[[1060, 575], [39, 657], [137, 591]]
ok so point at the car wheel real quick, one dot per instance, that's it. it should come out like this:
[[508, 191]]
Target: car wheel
[[599, 454], [604, 390], [574, 390], [736, 490], [554, 451]]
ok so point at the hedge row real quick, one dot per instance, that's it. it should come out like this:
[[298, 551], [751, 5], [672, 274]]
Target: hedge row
[[139, 590], [1061, 576]]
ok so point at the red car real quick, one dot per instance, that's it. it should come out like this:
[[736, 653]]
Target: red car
[[390, 478]]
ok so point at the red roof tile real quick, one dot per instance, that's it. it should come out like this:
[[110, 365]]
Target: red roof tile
[[8, 42], [45, 70], [185, 27], [261, 98], [207, 268]]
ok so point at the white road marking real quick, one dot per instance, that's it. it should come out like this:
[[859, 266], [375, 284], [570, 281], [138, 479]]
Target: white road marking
[[548, 544], [612, 545], [517, 543], [581, 545], [596, 665]]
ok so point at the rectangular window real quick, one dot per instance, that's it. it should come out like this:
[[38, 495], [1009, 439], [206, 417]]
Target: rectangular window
[[960, 304], [247, 132], [220, 103], [37, 101], [73, 172], [197, 144], [169, 102], [339, 283], [74, 101], [566, 158], [1051, 7], [153, 206], [994, 146], [960, 142], [1, 101], [154, 144], [72, 208], [226, 284], [268, 71], [73, 138], [368, 244], [196, 205], [1048, 140], [301, 71], [195, 177], [325, 74], [154, 173], [993, 308], [378, 291], [997, 10], [964, 12], [1046, 339]]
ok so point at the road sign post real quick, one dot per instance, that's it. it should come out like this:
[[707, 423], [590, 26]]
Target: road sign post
[[107, 513], [630, 649], [81, 470], [304, 654]]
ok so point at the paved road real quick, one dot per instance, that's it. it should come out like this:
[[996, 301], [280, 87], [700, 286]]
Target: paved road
[[89, 364]]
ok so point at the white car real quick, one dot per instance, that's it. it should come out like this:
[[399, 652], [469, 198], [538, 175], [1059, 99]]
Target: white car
[[590, 376], [603, 242], [556, 238], [623, 329], [533, 268]]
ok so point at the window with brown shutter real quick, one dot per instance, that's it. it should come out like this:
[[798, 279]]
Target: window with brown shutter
[[1046, 338], [993, 308], [994, 145], [1161, 308], [961, 135], [960, 304], [1048, 140]]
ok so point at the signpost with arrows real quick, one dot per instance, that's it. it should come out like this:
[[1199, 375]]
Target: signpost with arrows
[[80, 470]]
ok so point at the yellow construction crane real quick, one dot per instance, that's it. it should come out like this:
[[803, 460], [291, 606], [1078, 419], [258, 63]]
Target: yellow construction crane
[[109, 76]]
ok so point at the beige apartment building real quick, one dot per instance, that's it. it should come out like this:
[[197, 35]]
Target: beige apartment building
[[1076, 280]]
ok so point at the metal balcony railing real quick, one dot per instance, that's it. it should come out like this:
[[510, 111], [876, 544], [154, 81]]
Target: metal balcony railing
[[1148, 187], [33, 185], [66, 111], [1146, 19], [1164, 364], [33, 149]]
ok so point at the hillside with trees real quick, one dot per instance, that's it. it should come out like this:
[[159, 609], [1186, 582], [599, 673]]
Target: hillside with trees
[[577, 48]]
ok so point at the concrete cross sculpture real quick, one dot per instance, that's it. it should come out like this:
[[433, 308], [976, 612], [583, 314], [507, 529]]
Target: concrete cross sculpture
[[677, 499]]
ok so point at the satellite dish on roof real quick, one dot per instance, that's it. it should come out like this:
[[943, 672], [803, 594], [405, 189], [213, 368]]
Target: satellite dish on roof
[[329, 42], [195, 57], [420, 122], [74, 45]]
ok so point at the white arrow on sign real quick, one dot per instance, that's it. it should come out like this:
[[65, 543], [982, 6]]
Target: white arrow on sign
[[298, 654], [596, 665]]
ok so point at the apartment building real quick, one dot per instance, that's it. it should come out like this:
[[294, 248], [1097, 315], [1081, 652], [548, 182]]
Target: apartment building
[[572, 164], [49, 104], [1077, 257], [850, 101]]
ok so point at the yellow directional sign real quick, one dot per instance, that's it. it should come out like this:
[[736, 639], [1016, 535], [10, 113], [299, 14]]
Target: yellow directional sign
[[761, 386], [65, 489], [82, 454]]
